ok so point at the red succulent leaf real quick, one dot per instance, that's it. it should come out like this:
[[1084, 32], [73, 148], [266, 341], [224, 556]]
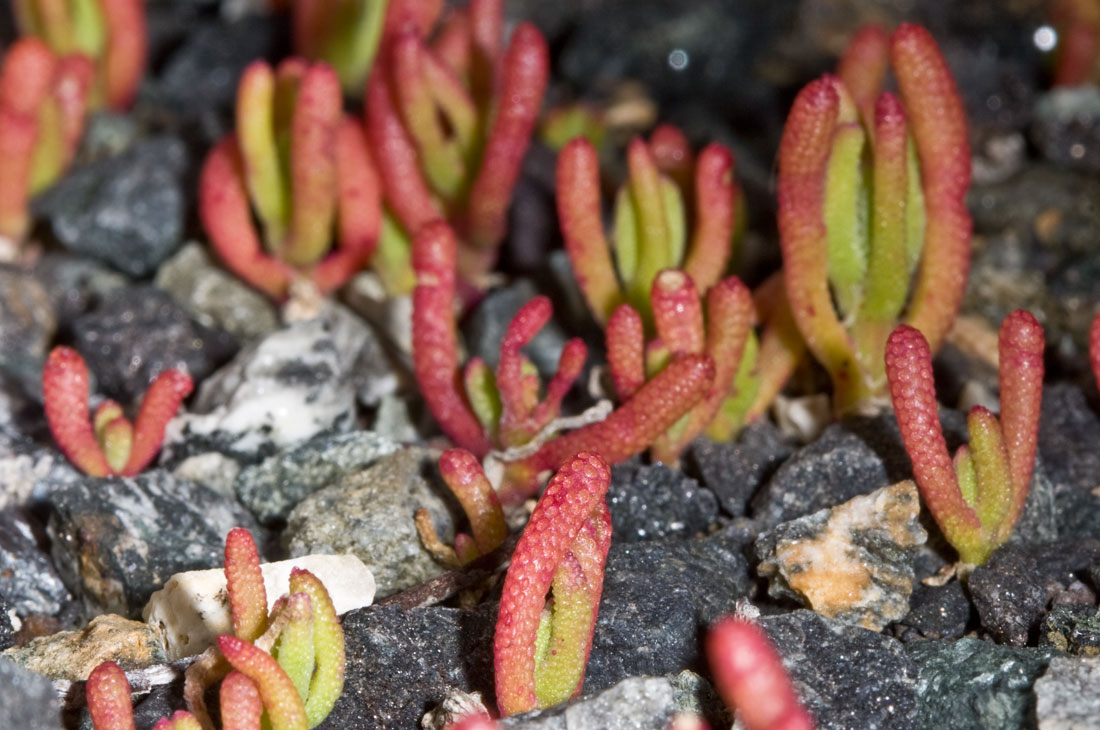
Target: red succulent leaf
[[241, 707], [1020, 348], [124, 60], [280, 698], [158, 406], [65, 392], [625, 340], [463, 474], [751, 679], [245, 585], [863, 66], [108, 695], [716, 197]]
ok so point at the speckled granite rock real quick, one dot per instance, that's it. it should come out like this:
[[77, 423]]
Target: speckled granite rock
[[402, 663], [127, 211], [138, 332], [846, 676], [1068, 693], [971, 684], [654, 502], [73, 655], [291, 386], [1073, 628], [115, 541], [27, 699], [272, 488], [369, 513], [1013, 590], [853, 562], [657, 598], [215, 297], [28, 581]]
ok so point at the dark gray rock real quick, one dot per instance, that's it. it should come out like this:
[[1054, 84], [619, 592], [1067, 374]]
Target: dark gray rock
[[291, 386], [734, 471], [853, 457], [28, 581], [1068, 433], [654, 502], [1013, 590], [1072, 628], [935, 612], [1067, 127], [127, 211], [75, 284], [208, 65], [27, 320], [137, 333], [485, 327], [1066, 694], [847, 677], [400, 664], [369, 514], [272, 488], [971, 684], [27, 699], [115, 541], [657, 598], [637, 703], [214, 297]]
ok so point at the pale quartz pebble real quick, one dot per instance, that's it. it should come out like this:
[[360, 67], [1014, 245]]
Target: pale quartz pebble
[[193, 607]]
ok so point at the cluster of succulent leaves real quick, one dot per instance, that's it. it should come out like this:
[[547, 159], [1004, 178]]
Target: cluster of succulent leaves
[[283, 669]]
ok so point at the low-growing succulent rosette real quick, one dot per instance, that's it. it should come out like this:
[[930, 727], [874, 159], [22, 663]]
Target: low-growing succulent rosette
[[463, 475], [450, 122], [302, 167], [866, 207], [43, 102], [480, 410], [540, 647], [343, 33], [976, 498], [107, 444], [111, 33], [751, 678], [650, 226]]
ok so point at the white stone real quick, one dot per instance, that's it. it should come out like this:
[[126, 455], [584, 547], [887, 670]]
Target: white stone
[[193, 607]]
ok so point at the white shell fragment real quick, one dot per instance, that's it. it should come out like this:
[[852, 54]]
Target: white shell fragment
[[193, 607]]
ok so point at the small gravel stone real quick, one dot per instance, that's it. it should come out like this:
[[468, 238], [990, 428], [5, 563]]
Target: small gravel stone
[[853, 562], [214, 297], [27, 319], [846, 676], [935, 612], [272, 488], [28, 581], [291, 386], [27, 699], [1068, 433], [75, 284], [971, 684], [369, 513], [1013, 590], [637, 703], [1068, 693], [1072, 628], [29, 471], [734, 471], [1067, 127], [137, 333], [657, 598], [115, 541], [126, 211], [73, 655], [485, 327], [653, 502]]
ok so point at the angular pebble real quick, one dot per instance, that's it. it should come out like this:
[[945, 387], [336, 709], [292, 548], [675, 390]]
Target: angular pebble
[[27, 320], [735, 470], [853, 562], [291, 386], [28, 581], [637, 703], [370, 514], [1068, 694], [29, 471], [272, 488], [137, 333], [27, 699], [1073, 628], [115, 541], [73, 655], [972, 684]]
